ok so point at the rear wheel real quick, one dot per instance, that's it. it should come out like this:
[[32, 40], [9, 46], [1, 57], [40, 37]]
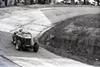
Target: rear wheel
[[35, 47], [18, 45]]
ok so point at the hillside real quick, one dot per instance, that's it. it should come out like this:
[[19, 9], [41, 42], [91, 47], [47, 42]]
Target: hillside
[[77, 38]]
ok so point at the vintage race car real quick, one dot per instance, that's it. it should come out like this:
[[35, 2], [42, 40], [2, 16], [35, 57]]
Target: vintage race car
[[23, 40]]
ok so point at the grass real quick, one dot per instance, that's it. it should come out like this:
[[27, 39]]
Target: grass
[[77, 38], [88, 21]]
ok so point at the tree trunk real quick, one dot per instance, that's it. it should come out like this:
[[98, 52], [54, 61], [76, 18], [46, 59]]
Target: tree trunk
[[18, 1], [6, 2], [15, 3], [24, 2], [49, 1], [84, 2], [98, 2], [31, 2], [39, 1]]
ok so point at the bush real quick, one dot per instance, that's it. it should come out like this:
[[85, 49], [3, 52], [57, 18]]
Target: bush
[[79, 36]]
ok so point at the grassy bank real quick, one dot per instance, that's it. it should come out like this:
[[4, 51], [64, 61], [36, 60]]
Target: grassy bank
[[76, 38]]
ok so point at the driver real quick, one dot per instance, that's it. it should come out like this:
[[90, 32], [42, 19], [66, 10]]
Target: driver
[[20, 32]]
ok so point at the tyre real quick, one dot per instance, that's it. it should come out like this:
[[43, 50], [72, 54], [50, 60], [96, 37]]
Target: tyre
[[13, 39], [18, 45], [35, 47]]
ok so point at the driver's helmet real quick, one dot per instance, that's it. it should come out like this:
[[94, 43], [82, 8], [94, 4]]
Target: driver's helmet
[[20, 30]]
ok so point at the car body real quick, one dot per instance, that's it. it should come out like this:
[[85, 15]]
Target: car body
[[23, 40]]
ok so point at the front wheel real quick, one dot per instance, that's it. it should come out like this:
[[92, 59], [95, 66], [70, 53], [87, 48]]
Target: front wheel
[[35, 47], [13, 39], [18, 45]]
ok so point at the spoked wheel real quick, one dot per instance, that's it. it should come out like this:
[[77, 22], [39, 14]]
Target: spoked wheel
[[35, 47], [13, 41], [18, 45]]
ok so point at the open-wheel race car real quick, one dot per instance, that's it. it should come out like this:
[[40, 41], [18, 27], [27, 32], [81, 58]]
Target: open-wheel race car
[[22, 40]]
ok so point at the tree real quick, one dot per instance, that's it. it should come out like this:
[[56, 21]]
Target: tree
[[86, 2], [24, 2], [31, 1], [98, 1], [6, 2], [15, 2], [44, 1]]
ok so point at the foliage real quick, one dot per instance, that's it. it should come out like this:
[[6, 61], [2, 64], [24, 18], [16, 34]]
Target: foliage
[[79, 35]]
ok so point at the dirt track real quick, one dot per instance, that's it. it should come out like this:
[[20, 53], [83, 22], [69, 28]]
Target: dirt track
[[43, 58]]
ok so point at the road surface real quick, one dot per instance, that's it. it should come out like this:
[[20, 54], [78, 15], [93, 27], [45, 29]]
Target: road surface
[[35, 21]]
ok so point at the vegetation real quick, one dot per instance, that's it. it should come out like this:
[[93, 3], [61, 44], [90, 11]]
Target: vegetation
[[27, 2], [78, 36]]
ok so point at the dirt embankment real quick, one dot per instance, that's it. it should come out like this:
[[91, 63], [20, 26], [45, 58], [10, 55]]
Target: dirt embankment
[[77, 38]]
